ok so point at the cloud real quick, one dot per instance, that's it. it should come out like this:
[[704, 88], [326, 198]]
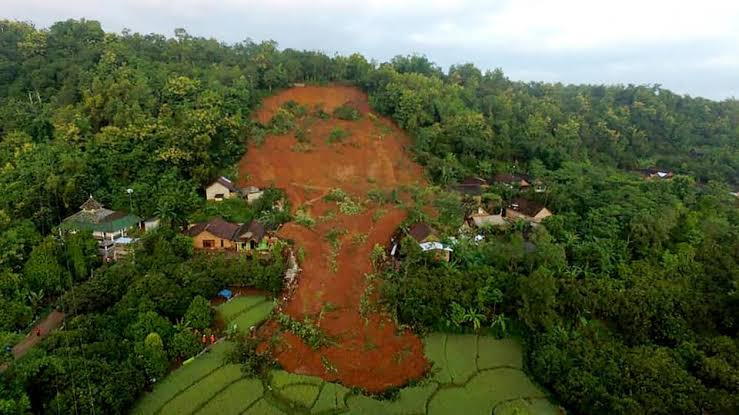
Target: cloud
[[688, 46]]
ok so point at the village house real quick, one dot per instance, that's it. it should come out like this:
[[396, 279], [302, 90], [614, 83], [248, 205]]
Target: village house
[[221, 189], [252, 193], [224, 188], [106, 225], [655, 173], [513, 181], [528, 210], [471, 186], [426, 238], [219, 234], [481, 218]]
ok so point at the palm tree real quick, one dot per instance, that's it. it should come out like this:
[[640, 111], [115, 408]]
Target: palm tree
[[499, 320], [475, 317], [35, 298]]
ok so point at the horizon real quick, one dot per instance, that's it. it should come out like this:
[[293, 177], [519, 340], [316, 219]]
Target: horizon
[[687, 49]]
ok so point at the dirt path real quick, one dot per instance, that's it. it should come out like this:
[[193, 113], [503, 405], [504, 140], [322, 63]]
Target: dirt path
[[52, 322], [368, 350]]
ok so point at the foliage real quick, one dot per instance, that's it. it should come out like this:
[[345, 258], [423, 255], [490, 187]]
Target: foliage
[[253, 362], [346, 112], [337, 135], [303, 217], [199, 315], [626, 297], [306, 330]]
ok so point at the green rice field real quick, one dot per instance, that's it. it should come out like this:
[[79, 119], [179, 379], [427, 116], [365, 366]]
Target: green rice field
[[470, 375]]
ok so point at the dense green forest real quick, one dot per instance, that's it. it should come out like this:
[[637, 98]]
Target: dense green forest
[[627, 303]]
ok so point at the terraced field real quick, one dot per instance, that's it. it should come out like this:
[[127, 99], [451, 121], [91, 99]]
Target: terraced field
[[246, 311], [470, 375]]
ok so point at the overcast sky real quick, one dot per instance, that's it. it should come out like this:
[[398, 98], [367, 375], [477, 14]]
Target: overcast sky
[[690, 47]]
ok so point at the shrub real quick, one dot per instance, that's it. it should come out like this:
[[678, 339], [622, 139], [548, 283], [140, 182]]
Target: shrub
[[337, 135], [282, 122], [245, 353], [347, 112], [350, 207], [199, 313], [306, 330], [335, 195], [320, 112], [303, 217]]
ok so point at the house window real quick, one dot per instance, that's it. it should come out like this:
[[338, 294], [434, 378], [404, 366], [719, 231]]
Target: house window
[[221, 243], [209, 243], [219, 196]]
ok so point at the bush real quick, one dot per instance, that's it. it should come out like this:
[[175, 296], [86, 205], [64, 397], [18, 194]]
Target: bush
[[347, 112], [337, 135], [245, 353], [320, 112], [306, 330], [199, 313], [350, 207], [303, 217], [335, 195], [184, 344], [282, 122]]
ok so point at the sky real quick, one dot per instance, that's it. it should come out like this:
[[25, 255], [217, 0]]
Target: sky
[[689, 47]]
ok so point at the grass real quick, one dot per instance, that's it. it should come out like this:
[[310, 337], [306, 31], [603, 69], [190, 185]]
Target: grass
[[253, 316], [201, 392], [498, 353], [301, 395], [434, 349], [235, 398], [461, 356], [410, 400], [499, 386], [279, 379], [526, 407], [330, 399], [337, 135], [262, 407], [182, 378], [238, 305], [234, 210]]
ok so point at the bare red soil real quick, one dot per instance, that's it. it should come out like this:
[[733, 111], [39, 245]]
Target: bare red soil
[[368, 350], [52, 322]]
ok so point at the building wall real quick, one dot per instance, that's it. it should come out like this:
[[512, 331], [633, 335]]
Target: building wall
[[514, 214], [198, 239], [543, 214], [254, 196], [217, 188]]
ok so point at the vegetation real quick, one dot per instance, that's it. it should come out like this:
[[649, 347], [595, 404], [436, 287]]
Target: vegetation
[[346, 112], [626, 298], [337, 135], [496, 385], [307, 330]]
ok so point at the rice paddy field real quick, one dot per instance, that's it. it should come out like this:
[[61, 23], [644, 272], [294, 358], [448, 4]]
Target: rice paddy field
[[470, 375]]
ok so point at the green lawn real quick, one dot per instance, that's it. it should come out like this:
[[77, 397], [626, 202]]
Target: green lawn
[[473, 375]]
